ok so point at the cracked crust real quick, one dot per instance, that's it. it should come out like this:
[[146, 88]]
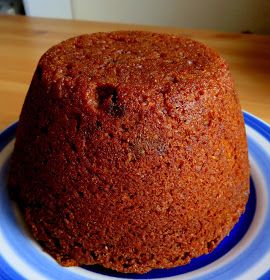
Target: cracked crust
[[130, 151]]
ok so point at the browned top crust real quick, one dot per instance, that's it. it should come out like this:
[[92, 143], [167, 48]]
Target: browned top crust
[[131, 151]]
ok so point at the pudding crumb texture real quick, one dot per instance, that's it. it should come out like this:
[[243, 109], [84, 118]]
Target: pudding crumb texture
[[131, 151]]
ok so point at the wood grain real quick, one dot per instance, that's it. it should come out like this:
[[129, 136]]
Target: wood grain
[[23, 40]]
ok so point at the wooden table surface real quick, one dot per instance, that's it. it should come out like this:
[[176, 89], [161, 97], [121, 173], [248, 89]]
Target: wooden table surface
[[23, 40]]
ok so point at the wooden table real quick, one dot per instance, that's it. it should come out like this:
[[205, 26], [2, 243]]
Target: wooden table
[[23, 40]]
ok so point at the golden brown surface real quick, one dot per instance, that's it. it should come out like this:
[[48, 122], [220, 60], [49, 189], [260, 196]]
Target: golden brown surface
[[23, 40], [136, 150]]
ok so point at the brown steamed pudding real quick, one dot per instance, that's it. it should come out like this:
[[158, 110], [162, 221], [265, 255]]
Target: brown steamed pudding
[[130, 152]]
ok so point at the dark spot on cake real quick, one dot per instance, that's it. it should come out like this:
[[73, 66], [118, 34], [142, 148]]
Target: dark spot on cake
[[99, 124], [108, 100], [81, 194], [74, 147], [93, 255], [162, 55], [117, 110], [106, 92], [112, 260], [124, 128], [57, 243], [185, 256], [135, 251], [201, 92], [42, 243], [69, 66], [212, 244], [180, 165], [175, 80], [39, 72], [44, 130], [77, 244], [126, 265], [78, 120]]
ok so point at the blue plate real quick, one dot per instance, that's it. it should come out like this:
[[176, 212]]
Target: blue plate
[[244, 254]]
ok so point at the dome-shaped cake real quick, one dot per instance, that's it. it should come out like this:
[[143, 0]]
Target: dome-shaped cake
[[130, 152]]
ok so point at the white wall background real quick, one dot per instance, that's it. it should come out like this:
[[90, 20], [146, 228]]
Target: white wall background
[[223, 15]]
